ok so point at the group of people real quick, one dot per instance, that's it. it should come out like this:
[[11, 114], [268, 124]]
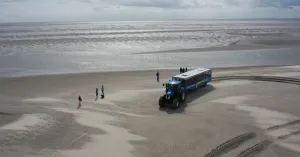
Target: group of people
[[97, 94], [183, 70]]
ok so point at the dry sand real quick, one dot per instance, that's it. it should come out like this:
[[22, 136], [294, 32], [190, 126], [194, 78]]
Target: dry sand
[[128, 122]]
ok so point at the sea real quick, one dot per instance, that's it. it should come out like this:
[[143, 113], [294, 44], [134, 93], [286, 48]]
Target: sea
[[75, 47]]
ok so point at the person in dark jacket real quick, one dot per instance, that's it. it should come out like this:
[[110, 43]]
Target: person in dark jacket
[[180, 70], [97, 93], [185, 69], [157, 76], [102, 89], [79, 101]]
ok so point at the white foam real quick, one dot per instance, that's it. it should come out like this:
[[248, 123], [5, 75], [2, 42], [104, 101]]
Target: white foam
[[23, 123], [231, 83], [43, 100], [114, 143]]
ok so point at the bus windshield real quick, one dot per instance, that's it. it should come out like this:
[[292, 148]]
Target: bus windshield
[[176, 79]]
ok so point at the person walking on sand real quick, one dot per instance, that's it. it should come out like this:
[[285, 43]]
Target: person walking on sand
[[157, 76], [79, 102]]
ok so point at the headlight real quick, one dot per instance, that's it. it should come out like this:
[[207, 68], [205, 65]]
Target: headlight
[[167, 96]]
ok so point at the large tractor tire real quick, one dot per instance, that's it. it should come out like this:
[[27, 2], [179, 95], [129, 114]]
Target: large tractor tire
[[175, 103], [162, 101], [183, 97]]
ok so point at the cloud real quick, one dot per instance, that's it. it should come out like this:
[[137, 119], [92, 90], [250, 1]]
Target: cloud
[[177, 4], [82, 10], [280, 3], [182, 4]]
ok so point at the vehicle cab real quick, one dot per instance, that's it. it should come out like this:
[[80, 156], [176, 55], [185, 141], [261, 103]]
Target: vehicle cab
[[173, 88]]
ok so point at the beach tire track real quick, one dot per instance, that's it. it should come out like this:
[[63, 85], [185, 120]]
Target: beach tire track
[[230, 144], [285, 136], [255, 149], [276, 127], [259, 78]]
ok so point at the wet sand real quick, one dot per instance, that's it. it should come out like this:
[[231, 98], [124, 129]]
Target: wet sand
[[39, 116], [257, 43]]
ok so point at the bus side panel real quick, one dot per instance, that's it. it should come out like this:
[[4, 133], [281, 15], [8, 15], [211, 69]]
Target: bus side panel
[[191, 87], [203, 79], [198, 81]]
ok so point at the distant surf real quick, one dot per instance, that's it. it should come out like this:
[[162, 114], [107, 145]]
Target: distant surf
[[50, 48]]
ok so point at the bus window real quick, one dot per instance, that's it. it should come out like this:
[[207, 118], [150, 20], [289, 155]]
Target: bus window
[[183, 83], [188, 82], [202, 76]]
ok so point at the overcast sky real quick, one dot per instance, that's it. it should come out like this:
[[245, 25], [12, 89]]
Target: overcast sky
[[99, 10]]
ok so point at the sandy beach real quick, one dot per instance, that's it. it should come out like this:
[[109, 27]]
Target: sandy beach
[[227, 118]]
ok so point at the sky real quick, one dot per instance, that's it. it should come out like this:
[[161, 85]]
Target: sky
[[130, 10]]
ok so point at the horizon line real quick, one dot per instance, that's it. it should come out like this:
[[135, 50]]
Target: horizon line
[[204, 19]]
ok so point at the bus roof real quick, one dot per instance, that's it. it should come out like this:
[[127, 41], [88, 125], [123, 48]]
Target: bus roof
[[191, 73]]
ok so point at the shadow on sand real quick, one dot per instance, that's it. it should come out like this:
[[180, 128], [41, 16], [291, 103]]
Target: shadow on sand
[[191, 96], [101, 96]]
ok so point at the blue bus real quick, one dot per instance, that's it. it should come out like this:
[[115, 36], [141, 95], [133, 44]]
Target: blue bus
[[177, 87], [194, 78]]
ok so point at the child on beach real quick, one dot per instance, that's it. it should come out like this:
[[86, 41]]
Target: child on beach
[[79, 102]]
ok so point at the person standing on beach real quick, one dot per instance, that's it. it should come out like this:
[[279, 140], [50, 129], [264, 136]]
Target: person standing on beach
[[102, 89], [185, 69], [180, 70], [96, 93], [79, 102], [157, 76]]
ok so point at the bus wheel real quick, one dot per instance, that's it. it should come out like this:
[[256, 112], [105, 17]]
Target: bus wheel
[[183, 97], [175, 103], [162, 101]]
